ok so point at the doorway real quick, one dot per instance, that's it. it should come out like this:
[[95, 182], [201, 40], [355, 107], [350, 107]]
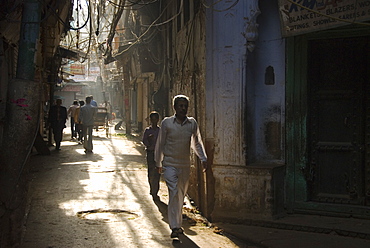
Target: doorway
[[328, 123], [338, 120]]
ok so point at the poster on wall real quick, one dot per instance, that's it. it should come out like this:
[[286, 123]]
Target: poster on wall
[[306, 16]]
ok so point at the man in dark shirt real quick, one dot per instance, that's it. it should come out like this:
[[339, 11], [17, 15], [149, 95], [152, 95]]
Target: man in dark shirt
[[149, 140], [57, 120]]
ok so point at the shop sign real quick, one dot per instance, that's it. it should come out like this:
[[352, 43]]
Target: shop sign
[[78, 69], [94, 71], [73, 88], [305, 16]]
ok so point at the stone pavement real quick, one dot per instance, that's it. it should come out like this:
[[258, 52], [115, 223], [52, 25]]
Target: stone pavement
[[303, 231], [102, 200]]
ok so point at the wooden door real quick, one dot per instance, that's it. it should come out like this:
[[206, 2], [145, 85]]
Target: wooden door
[[338, 121]]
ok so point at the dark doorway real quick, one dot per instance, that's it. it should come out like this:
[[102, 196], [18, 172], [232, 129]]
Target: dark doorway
[[338, 129]]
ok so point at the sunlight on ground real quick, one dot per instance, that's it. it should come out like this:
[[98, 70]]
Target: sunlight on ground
[[77, 163]]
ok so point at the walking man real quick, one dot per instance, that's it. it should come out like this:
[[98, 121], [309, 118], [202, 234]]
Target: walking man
[[177, 134], [71, 113], [86, 116], [57, 120], [78, 123], [93, 102], [149, 140]]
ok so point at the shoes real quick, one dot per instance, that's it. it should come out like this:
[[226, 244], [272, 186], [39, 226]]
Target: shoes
[[88, 151], [180, 230], [176, 231]]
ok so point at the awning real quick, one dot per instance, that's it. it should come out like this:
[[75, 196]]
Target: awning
[[71, 54]]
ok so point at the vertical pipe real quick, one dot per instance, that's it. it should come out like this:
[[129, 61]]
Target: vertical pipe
[[28, 39]]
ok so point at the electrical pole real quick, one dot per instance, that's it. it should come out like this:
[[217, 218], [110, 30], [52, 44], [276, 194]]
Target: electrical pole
[[23, 106]]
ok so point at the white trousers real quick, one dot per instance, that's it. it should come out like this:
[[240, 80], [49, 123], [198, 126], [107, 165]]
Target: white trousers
[[177, 180]]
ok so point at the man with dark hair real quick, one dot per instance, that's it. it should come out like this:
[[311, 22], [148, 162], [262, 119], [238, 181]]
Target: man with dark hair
[[177, 134], [71, 113], [93, 102], [149, 140], [57, 120], [86, 116], [78, 123]]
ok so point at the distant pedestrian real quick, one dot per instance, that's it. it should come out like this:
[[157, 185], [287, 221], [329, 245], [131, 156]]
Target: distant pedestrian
[[93, 102], [86, 116], [149, 140], [71, 114], [57, 120], [78, 123], [177, 134]]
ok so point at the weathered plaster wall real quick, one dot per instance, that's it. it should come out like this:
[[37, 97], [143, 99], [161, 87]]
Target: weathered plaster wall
[[225, 99], [243, 190], [253, 192], [268, 110]]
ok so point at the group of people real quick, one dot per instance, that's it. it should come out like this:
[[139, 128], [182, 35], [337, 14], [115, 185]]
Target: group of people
[[81, 118], [167, 148], [168, 153]]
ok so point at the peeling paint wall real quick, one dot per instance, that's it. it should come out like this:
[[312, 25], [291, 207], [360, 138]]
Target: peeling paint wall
[[245, 112], [268, 68], [252, 192]]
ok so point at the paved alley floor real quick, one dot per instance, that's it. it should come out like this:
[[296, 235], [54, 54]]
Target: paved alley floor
[[102, 200]]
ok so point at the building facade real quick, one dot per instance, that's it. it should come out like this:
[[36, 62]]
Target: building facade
[[279, 90]]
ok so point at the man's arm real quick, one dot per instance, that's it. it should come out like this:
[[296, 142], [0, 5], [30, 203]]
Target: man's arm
[[145, 138], [197, 145], [159, 146]]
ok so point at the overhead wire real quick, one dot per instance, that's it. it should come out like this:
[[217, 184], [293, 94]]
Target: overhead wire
[[55, 12], [132, 3], [90, 37], [187, 50], [116, 18], [170, 19], [147, 30], [87, 19]]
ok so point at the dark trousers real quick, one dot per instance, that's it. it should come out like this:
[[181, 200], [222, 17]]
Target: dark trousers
[[153, 175], [78, 129], [58, 136]]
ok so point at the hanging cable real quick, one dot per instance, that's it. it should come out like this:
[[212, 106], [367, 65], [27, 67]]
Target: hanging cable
[[116, 18], [98, 20], [90, 37], [87, 20], [132, 3], [146, 31], [170, 19]]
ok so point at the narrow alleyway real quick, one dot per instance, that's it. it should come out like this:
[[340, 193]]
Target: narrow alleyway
[[102, 200]]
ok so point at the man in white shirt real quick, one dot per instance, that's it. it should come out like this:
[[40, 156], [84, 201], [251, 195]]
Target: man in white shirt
[[177, 134], [71, 112]]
